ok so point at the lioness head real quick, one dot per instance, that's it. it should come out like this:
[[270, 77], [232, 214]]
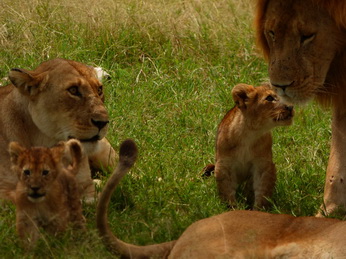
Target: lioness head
[[302, 42], [64, 99], [261, 106], [38, 167]]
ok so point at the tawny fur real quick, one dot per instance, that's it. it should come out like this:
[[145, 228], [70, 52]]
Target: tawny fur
[[244, 144], [59, 100], [304, 42], [235, 234], [47, 194]]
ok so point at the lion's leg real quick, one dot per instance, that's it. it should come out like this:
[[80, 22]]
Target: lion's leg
[[75, 206], [86, 185], [263, 183], [226, 180], [27, 229], [335, 183], [104, 157]]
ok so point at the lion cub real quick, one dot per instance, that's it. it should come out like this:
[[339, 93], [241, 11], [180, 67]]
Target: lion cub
[[244, 143], [47, 194]]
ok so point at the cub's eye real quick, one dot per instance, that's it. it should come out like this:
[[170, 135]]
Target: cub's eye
[[100, 90], [307, 38], [270, 98], [26, 172], [74, 91], [45, 172]]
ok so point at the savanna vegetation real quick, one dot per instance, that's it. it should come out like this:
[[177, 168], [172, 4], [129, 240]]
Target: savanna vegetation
[[173, 64]]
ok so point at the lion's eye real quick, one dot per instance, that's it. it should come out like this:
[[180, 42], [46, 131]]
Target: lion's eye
[[100, 90], [307, 38], [74, 91], [270, 98], [26, 172], [272, 35], [45, 172]]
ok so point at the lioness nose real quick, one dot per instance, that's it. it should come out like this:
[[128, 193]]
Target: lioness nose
[[99, 124], [283, 86]]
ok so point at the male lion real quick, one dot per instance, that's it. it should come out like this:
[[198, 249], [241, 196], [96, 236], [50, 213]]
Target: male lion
[[244, 143], [59, 100], [234, 234], [46, 194], [304, 42]]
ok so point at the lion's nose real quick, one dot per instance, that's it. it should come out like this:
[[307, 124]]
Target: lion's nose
[[289, 108], [99, 124]]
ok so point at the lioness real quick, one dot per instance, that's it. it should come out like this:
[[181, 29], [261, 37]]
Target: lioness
[[244, 143], [59, 100], [46, 194], [235, 234], [304, 42]]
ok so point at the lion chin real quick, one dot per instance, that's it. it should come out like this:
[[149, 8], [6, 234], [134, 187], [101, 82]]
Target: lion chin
[[36, 197]]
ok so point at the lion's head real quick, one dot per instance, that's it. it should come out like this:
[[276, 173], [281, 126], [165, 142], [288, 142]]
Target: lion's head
[[64, 99], [304, 42], [38, 167]]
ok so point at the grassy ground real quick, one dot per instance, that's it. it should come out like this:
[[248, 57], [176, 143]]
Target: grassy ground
[[173, 64]]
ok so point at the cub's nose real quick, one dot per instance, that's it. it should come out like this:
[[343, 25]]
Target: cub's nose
[[99, 124], [35, 189]]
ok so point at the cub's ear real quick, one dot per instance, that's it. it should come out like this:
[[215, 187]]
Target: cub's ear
[[74, 154], [240, 94], [76, 151], [15, 149], [26, 81]]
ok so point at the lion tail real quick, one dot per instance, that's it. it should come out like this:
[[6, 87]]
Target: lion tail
[[127, 157], [208, 170]]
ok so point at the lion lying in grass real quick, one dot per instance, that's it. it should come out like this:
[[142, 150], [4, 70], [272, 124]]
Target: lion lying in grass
[[59, 100], [46, 195], [234, 234], [244, 144]]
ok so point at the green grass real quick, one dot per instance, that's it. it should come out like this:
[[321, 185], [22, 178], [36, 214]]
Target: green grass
[[173, 65]]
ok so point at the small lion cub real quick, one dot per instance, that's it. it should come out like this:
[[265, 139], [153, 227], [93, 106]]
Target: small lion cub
[[47, 194], [244, 143]]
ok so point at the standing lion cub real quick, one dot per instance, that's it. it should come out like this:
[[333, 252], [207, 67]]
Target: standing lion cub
[[244, 143], [47, 194]]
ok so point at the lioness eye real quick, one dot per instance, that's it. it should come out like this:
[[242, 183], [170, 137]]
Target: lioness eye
[[45, 172], [306, 38], [270, 98], [100, 90], [26, 172], [74, 91]]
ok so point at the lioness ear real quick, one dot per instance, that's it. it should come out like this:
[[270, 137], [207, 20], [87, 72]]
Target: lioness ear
[[27, 82], [15, 149], [240, 94]]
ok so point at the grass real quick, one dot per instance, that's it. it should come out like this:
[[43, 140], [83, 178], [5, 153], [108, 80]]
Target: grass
[[173, 65]]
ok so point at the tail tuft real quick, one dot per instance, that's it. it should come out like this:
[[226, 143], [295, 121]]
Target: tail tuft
[[208, 170], [128, 152]]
